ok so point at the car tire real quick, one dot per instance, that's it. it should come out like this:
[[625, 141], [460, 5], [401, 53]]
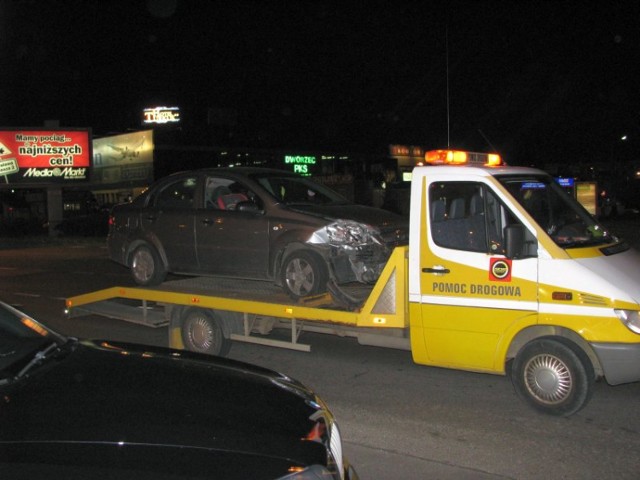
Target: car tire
[[553, 377], [303, 274], [147, 267], [202, 332]]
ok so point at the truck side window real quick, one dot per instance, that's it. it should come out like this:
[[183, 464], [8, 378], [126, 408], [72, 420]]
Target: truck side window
[[468, 216], [457, 216]]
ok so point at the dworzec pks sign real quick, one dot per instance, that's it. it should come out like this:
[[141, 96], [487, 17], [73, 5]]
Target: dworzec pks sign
[[45, 156]]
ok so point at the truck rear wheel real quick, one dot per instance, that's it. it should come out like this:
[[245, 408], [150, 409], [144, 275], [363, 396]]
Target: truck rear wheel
[[552, 377], [202, 332]]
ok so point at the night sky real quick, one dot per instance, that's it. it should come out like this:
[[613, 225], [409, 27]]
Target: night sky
[[540, 82]]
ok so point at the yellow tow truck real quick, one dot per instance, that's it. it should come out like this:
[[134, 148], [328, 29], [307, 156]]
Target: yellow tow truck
[[504, 274]]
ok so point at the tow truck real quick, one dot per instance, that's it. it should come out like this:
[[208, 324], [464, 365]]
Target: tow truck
[[504, 274]]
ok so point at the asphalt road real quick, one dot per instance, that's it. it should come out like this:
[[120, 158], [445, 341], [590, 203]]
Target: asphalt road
[[398, 419]]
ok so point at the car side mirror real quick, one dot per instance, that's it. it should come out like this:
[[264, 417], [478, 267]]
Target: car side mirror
[[247, 206]]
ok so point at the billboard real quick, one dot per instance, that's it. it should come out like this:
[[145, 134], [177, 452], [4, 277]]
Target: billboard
[[123, 160], [45, 156]]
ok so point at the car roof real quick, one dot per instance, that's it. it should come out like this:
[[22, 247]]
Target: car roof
[[235, 170]]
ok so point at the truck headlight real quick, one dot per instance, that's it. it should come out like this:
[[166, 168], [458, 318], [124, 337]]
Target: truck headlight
[[631, 318]]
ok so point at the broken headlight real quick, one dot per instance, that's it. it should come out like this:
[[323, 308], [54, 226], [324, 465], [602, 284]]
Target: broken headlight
[[346, 234], [354, 244]]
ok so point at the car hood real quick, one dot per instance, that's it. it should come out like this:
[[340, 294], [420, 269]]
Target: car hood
[[119, 393], [126, 461], [359, 213]]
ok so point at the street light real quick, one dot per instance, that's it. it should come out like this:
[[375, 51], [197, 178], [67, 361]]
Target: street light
[[614, 146]]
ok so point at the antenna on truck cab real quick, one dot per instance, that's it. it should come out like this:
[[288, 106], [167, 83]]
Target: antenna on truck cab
[[446, 41]]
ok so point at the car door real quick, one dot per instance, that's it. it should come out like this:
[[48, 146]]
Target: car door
[[232, 230], [470, 293], [168, 223]]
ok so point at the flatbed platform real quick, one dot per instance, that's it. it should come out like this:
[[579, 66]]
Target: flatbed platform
[[346, 310]]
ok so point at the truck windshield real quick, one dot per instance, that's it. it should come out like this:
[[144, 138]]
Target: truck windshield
[[566, 221]]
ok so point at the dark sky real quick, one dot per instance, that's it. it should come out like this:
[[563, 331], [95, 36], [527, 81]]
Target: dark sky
[[540, 81]]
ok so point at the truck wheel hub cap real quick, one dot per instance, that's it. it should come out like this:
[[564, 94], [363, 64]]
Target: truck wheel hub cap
[[548, 379]]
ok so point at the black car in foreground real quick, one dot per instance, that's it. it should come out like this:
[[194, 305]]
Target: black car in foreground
[[72, 409], [256, 223]]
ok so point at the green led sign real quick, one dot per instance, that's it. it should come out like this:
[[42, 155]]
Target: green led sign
[[300, 163]]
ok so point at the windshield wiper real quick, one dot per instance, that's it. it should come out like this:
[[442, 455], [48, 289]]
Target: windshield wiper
[[583, 242], [37, 359]]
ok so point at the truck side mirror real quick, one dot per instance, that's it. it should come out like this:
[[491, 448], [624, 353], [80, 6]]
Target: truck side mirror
[[514, 240]]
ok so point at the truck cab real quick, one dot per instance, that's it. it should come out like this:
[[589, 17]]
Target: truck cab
[[509, 274]]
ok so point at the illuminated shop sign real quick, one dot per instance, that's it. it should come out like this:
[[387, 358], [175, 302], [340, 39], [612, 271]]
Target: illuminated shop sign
[[44, 156], [301, 163], [565, 182], [405, 151], [587, 195], [161, 115]]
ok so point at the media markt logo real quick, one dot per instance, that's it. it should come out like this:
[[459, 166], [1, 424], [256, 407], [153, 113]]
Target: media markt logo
[[65, 173]]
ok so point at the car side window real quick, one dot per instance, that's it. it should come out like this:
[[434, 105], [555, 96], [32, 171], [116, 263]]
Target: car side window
[[180, 194], [225, 194]]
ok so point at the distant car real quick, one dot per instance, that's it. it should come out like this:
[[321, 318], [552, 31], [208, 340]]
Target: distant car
[[252, 223], [73, 409]]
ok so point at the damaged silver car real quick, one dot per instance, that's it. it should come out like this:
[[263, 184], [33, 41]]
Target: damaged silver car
[[252, 223]]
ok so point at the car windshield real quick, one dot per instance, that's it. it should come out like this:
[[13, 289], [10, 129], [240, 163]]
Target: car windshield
[[22, 339], [565, 220], [297, 190]]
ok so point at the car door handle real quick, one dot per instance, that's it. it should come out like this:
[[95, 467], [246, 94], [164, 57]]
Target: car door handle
[[213, 221], [437, 269]]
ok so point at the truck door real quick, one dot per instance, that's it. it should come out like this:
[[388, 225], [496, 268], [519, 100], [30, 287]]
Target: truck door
[[471, 293]]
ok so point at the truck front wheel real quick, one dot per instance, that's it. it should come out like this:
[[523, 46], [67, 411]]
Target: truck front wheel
[[202, 332], [552, 377]]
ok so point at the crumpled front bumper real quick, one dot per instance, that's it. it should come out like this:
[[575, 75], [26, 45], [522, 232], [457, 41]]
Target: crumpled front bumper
[[361, 265]]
